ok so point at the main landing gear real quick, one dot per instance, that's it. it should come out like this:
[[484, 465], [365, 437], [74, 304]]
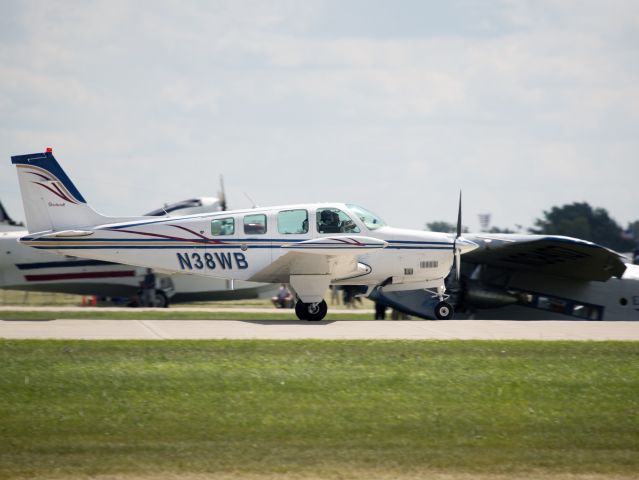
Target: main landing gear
[[312, 312]]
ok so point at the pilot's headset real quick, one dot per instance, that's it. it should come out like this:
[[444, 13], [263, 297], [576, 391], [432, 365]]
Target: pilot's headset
[[325, 216]]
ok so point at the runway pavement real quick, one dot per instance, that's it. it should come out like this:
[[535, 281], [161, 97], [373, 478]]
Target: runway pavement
[[337, 330]]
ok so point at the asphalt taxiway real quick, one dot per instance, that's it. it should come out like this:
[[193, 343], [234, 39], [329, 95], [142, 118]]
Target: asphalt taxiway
[[325, 330]]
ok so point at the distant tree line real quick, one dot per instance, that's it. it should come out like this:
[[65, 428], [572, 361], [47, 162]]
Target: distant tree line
[[578, 220], [445, 227]]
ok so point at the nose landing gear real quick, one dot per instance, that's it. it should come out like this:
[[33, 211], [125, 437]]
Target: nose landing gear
[[444, 311], [312, 312]]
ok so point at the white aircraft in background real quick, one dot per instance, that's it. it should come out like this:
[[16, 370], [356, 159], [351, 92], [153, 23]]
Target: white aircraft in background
[[309, 246], [7, 224], [28, 269]]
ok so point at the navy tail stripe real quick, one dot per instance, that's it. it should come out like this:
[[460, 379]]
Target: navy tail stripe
[[48, 162]]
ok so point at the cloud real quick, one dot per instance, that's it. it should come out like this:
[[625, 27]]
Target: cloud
[[297, 101]]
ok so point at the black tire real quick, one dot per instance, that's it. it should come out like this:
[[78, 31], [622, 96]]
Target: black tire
[[444, 311], [313, 312], [161, 300], [300, 311]]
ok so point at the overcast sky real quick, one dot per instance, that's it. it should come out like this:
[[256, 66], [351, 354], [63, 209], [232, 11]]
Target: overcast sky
[[395, 105]]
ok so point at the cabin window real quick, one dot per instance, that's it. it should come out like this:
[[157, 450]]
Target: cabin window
[[333, 220], [552, 304], [292, 221], [255, 224], [585, 311], [372, 221], [223, 226]]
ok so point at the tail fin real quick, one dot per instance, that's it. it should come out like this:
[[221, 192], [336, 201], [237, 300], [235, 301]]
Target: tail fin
[[51, 200]]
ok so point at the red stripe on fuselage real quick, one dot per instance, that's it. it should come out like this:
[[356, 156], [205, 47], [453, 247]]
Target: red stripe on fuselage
[[71, 276], [169, 237]]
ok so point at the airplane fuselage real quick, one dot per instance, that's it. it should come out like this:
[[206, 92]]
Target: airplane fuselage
[[244, 244]]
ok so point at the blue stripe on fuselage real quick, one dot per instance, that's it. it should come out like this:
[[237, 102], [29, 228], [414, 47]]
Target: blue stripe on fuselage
[[215, 246]]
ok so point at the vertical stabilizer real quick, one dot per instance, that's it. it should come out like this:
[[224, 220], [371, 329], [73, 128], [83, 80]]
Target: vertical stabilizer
[[51, 200]]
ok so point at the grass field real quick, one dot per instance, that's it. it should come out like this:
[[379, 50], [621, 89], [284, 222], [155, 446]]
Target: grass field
[[312, 409], [24, 298], [17, 297], [167, 314], [10, 298]]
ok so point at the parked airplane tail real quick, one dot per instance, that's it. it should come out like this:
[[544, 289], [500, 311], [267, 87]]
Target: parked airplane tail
[[51, 200]]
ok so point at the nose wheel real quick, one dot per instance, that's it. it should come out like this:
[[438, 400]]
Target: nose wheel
[[444, 311], [313, 312]]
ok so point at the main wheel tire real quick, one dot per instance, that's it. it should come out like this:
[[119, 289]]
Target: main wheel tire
[[444, 311], [300, 311], [161, 300], [313, 312]]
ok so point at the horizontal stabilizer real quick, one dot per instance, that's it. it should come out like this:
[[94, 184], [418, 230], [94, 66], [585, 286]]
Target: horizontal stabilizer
[[67, 234]]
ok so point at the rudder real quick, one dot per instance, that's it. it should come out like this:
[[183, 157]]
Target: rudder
[[51, 200]]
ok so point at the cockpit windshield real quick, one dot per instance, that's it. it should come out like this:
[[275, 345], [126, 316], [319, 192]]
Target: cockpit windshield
[[372, 221]]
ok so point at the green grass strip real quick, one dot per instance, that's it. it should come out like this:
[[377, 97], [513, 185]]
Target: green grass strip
[[84, 408]]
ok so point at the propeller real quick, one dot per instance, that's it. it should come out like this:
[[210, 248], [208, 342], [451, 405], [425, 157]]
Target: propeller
[[457, 236], [222, 195]]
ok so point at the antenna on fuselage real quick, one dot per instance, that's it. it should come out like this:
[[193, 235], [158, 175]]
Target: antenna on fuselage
[[254, 205]]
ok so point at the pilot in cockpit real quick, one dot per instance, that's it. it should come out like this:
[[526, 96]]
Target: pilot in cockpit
[[329, 222]]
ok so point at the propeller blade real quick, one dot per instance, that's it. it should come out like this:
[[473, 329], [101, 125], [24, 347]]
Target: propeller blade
[[457, 251], [459, 216], [222, 195]]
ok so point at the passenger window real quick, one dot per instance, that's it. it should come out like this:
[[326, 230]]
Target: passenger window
[[333, 220], [254, 224], [292, 221], [223, 226]]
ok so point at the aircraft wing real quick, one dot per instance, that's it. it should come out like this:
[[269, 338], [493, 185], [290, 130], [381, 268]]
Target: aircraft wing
[[334, 256], [551, 255]]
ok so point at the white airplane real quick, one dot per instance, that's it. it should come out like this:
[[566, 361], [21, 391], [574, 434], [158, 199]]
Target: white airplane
[[309, 246], [27, 269]]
